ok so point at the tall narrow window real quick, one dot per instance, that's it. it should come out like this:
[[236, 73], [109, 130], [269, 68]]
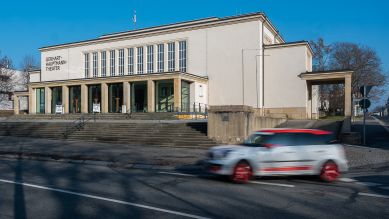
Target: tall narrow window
[[103, 63], [95, 65], [131, 61], [171, 54], [86, 65], [140, 60], [112, 62], [161, 58], [150, 59], [182, 56], [121, 62]]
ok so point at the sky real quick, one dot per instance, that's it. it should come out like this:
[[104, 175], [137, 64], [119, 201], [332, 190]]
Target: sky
[[27, 25]]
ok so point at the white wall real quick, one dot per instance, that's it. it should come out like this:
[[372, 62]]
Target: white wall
[[224, 63], [215, 52], [74, 67], [283, 87]]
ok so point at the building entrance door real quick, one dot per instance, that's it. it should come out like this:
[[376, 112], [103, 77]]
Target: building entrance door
[[74, 99], [165, 96], [115, 97], [40, 100], [139, 97], [94, 97], [56, 98]]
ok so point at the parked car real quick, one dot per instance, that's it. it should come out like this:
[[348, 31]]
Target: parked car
[[272, 152]]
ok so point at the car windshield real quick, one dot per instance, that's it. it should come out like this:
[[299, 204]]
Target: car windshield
[[256, 140]]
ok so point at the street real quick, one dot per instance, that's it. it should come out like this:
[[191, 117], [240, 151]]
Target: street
[[377, 131], [37, 189]]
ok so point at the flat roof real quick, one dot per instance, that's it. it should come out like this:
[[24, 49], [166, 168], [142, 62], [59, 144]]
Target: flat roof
[[288, 44], [329, 76], [202, 23]]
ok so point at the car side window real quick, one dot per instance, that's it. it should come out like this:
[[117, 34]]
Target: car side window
[[302, 139], [281, 139]]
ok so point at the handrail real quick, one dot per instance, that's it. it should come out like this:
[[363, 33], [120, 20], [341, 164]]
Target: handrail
[[77, 125]]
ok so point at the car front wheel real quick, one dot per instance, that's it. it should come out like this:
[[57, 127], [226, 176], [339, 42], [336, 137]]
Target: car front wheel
[[242, 172], [329, 172]]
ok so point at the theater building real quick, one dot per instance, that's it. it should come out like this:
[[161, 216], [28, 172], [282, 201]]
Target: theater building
[[239, 60]]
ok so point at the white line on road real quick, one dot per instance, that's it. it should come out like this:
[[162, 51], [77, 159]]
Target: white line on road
[[272, 184], [348, 180], [373, 195], [177, 174], [253, 182], [367, 184], [104, 199]]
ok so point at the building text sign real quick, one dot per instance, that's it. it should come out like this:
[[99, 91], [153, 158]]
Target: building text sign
[[54, 63]]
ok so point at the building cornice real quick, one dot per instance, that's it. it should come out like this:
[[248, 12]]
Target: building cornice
[[123, 78], [290, 44], [170, 28]]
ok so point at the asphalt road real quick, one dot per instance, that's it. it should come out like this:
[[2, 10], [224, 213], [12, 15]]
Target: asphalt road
[[377, 132], [36, 189]]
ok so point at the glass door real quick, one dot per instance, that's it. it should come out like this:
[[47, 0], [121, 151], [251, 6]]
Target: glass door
[[40, 100]]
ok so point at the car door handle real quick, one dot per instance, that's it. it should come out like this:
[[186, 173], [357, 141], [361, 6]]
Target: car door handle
[[320, 151], [289, 152]]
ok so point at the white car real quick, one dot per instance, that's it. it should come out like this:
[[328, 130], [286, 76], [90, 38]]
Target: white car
[[274, 152]]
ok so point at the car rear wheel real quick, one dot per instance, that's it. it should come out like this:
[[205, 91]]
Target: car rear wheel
[[329, 172], [242, 172]]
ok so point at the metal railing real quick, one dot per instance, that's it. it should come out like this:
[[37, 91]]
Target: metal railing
[[77, 125], [193, 111]]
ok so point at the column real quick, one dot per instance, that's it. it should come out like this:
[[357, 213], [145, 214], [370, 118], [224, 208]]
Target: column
[[127, 96], [150, 96], [65, 99], [177, 94], [309, 100], [176, 58], [31, 101], [347, 96], [165, 57], [47, 100], [104, 98], [16, 104], [84, 98]]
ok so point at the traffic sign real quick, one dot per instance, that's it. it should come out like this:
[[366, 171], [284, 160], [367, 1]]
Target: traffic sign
[[364, 103], [362, 90]]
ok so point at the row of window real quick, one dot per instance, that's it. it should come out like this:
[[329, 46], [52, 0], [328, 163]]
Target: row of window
[[139, 61]]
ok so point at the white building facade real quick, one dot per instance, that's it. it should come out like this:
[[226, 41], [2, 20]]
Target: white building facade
[[240, 60]]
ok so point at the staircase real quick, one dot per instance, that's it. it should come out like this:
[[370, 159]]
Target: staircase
[[173, 134]]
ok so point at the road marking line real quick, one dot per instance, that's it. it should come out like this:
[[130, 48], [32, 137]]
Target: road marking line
[[348, 180], [373, 195], [177, 174], [104, 199], [368, 184], [272, 184], [253, 182]]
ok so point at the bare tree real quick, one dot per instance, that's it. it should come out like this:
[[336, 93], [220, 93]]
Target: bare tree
[[6, 77], [363, 60], [28, 63], [321, 54], [365, 63]]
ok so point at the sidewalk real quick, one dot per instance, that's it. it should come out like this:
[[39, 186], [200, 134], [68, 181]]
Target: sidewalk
[[100, 153], [147, 157]]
